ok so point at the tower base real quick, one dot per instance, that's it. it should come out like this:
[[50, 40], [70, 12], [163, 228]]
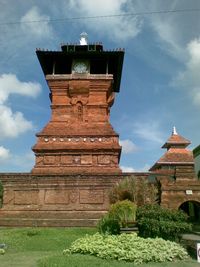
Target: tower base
[[55, 200]]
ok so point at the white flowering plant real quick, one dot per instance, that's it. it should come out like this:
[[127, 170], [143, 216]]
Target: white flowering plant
[[128, 248]]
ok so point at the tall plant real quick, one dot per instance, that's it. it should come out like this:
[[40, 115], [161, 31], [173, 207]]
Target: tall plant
[[124, 212], [1, 194], [135, 189], [120, 214]]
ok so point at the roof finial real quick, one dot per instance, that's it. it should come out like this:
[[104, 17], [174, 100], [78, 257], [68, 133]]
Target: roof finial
[[174, 132], [83, 38]]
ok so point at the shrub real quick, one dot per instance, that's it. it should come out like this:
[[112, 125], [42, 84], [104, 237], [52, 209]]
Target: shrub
[[2, 251], [128, 248], [108, 225], [124, 212], [120, 214], [33, 232], [156, 211], [156, 221]]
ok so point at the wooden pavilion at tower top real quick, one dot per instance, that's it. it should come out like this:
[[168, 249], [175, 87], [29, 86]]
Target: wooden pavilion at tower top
[[83, 79]]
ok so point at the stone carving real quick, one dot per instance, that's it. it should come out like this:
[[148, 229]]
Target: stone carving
[[91, 196], [49, 159], [28, 197], [114, 160], [8, 197], [77, 159], [73, 196], [86, 159], [56, 196], [79, 107], [39, 160], [66, 159], [104, 159]]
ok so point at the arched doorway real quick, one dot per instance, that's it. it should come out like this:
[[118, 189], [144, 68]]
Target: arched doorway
[[192, 208]]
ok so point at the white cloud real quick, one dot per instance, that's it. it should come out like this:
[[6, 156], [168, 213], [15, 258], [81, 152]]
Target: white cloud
[[145, 168], [190, 78], [12, 124], [128, 146], [168, 35], [10, 84], [174, 30], [40, 29], [16, 162], [149, 131], [127, 169], [4, 154], [115, 28]]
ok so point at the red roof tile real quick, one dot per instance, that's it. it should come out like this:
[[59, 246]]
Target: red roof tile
[[176, 139], [176, 152], [177, 155]]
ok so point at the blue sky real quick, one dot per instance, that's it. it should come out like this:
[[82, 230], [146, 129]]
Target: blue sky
[[160, 84]]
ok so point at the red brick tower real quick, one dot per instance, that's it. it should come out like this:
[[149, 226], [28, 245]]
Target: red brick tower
[[79, 138]]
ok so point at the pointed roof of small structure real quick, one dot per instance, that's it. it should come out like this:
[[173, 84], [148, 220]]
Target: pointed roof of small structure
[[177, 153], [176, 140]]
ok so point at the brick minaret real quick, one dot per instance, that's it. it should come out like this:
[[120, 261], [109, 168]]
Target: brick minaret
[[79, 138], [177, 161]]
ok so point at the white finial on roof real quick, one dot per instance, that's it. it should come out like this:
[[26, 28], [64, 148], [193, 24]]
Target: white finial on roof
[[174, 132], [83, 38]]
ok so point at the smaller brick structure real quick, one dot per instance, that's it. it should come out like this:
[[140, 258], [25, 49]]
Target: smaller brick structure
[[176, 175]]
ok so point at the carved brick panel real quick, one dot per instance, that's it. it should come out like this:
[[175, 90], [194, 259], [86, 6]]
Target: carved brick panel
[[56, 196], [91, 196], [22, 197]]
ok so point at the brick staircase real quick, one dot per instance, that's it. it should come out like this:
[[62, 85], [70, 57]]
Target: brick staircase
[[50, 218]]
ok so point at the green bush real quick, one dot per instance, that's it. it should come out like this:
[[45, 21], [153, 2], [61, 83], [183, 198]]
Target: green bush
[[156, 221], [33, 232], [124, 212], [108, 225], [128, 248], [120, 214], [2, 251], [156, 211]]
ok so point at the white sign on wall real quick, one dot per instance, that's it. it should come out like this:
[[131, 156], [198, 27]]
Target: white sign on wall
[[188, 192], [198, 252]]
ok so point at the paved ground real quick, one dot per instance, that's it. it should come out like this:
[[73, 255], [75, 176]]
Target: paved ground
[[193, 236]]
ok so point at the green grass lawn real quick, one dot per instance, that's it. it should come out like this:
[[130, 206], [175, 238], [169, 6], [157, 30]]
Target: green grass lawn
[[42, 247]]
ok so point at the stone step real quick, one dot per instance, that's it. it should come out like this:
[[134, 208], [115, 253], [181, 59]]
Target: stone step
[[50, 218], [129, 230], [33, 222], [52, 214]]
